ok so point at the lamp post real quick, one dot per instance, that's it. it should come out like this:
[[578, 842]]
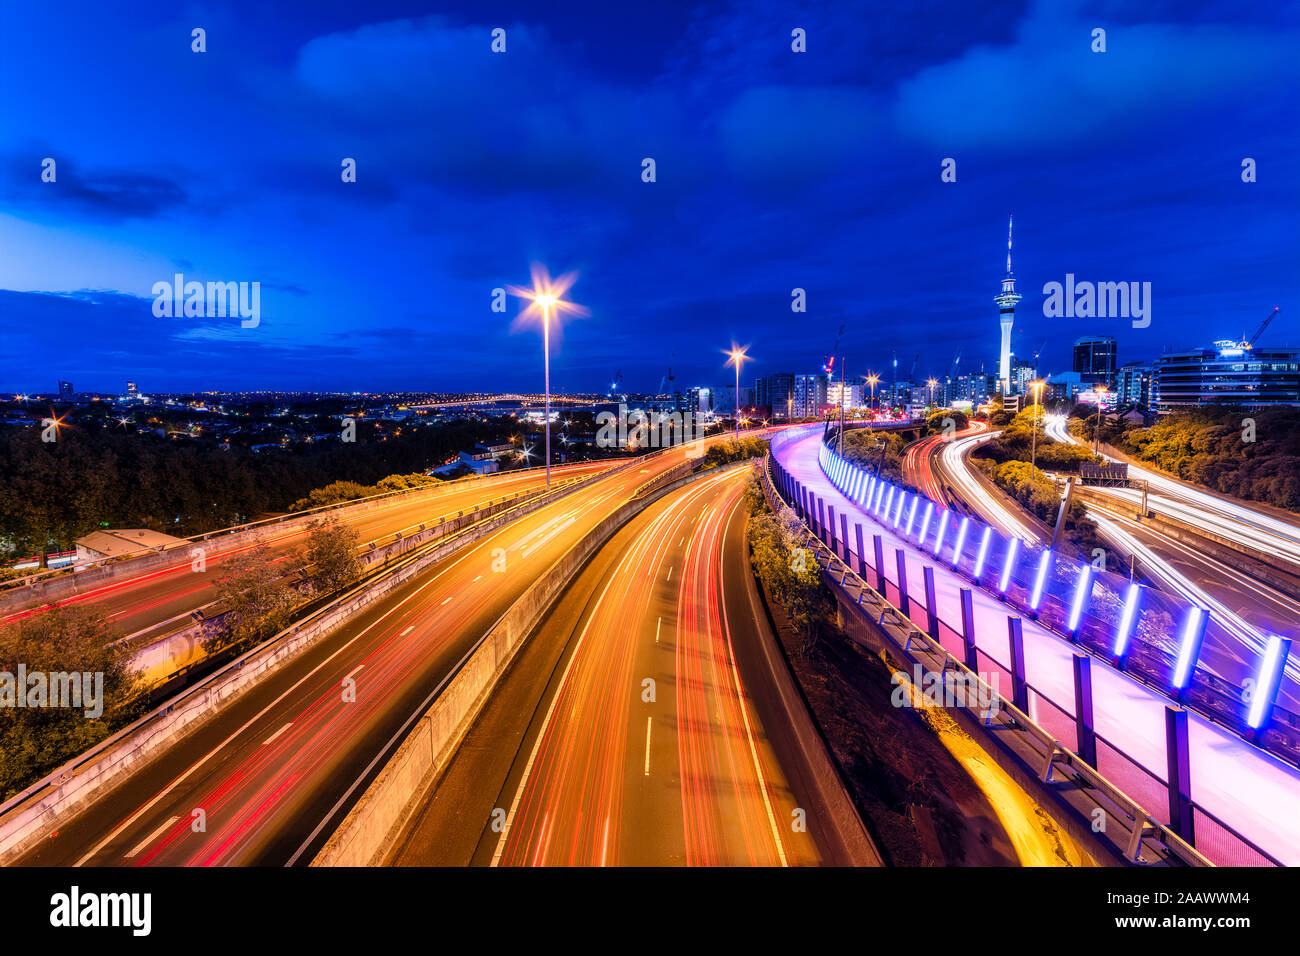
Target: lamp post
[[736, 357], [872, 379], [1038, 391], [1096, 431], [932, 383], [546, 297]]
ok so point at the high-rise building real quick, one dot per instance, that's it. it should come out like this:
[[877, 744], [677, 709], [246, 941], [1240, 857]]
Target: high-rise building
[[1094, 359], [1133, 385], [700, 402], [131, 390], [1227, 374], [1022, 373], [849, 395], [1006, 301], [809, 395], [66, 391], [974, 387], [776, 393]]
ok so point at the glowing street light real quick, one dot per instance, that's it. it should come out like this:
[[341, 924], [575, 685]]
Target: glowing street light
[[737, 357], [1096, 432], [1038, 391], [872, 379], [932, 383], [545, 298]]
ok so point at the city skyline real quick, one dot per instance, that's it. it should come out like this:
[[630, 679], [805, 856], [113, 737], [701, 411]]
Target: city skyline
[[386, 283]]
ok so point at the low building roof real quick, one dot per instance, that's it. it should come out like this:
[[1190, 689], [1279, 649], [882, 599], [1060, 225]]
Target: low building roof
[[112, 544]]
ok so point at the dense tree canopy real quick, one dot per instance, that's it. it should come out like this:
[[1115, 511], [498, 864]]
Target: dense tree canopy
[[1253, 455], [91, 477]]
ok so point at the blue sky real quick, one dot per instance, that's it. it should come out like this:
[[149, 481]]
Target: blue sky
[[775, 170]]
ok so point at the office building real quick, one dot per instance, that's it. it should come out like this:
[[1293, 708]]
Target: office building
[[775, 393], [66, 391], [1133, 385], [1229, 373], [809, 395], [1094, 360]]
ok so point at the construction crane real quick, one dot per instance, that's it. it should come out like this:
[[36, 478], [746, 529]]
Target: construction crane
[[829, 365], [829, 368], [1249, 343], [668, 377]]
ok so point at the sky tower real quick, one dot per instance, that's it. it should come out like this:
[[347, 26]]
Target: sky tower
[[1006, 301]]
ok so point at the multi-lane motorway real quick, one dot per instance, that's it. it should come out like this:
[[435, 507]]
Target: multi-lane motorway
[[157, 600], [1249, 789], [1243, 606], [640, 726], [263, 780]]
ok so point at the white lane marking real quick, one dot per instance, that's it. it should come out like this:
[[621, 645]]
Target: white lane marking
[[349, 674], [151, 837], [477, 578], [604, 846], [670, 573], [549, 535], [277, 733], [649, 722], [744, 713], [445, 603], [407, 631], [262, 713], [550, 712], [659, 622]]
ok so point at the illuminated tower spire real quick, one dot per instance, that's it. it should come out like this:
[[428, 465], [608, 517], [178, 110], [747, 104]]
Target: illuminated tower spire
[[1006, 301]]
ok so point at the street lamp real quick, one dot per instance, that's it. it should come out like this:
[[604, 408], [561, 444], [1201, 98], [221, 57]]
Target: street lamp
[[736, 357], [1038, 391], [932, 383], [1096, 432], [872, 379], [546, 297]]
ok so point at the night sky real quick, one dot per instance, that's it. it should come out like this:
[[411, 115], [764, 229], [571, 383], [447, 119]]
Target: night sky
[[775, 170]]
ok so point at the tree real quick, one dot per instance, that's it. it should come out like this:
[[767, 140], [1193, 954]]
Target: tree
[[258, 598], [331, 555], [63, 640], [790, 573]]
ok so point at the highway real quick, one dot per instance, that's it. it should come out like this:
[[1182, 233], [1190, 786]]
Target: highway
[[952, 469], [1242, 607], [588, 771], [1251, 527], [161, 600], [920, 462], [1251, 790], [279, 765]]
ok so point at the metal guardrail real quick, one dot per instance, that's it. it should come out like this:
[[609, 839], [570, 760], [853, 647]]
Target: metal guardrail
[[289, 631], [1145, 836]]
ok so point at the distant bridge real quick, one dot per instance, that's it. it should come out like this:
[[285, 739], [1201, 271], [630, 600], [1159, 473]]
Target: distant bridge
[[556, 400]]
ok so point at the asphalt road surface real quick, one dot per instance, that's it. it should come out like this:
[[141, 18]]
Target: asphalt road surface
[[630, 730], [271, 774]]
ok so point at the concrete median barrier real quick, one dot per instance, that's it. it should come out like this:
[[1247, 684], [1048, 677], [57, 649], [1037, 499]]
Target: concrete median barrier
[[27, 816], [372, 827]]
